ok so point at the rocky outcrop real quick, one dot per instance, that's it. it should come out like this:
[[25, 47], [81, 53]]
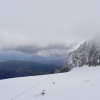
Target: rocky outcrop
[[87, 54]]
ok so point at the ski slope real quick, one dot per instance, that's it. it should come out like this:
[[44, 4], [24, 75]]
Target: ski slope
[[79, 84]]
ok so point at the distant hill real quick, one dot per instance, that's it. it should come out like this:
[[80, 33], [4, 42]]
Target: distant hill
[[15, 68]]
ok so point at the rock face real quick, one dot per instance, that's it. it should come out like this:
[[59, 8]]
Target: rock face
[[87, 54]]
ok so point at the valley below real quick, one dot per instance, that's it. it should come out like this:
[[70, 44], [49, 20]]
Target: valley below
[[15, 68]]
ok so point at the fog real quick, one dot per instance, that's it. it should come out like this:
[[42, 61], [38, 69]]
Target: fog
[[41, 26]]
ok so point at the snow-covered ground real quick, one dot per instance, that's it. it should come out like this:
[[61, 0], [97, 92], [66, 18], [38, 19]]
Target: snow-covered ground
[[79, 84]]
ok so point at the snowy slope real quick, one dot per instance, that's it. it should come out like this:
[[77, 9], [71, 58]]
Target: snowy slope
[[81, 83]]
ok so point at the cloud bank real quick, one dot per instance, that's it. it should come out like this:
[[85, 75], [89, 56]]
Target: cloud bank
[[34, 26], [51, 50]]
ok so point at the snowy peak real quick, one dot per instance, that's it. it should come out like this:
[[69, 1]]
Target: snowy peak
[[87, 54]]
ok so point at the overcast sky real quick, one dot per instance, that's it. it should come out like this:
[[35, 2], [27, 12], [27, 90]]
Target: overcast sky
[[38, 26]]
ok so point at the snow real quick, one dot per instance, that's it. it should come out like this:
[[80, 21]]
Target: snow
[[81, 83], [98, 60]]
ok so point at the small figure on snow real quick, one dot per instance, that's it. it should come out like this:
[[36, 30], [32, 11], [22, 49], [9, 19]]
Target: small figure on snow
[[43, 93], [53, 82]]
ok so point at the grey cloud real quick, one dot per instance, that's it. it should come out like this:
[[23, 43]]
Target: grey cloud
[[44, 22], [32, 49]]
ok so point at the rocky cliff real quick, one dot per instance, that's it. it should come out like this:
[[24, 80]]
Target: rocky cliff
[[87, 54]]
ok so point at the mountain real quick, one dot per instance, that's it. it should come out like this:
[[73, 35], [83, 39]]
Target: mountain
[[81, 83], [87, 54], [15, 68]]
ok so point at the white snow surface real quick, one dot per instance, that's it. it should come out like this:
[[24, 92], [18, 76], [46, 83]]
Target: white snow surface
[[81, 83]]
